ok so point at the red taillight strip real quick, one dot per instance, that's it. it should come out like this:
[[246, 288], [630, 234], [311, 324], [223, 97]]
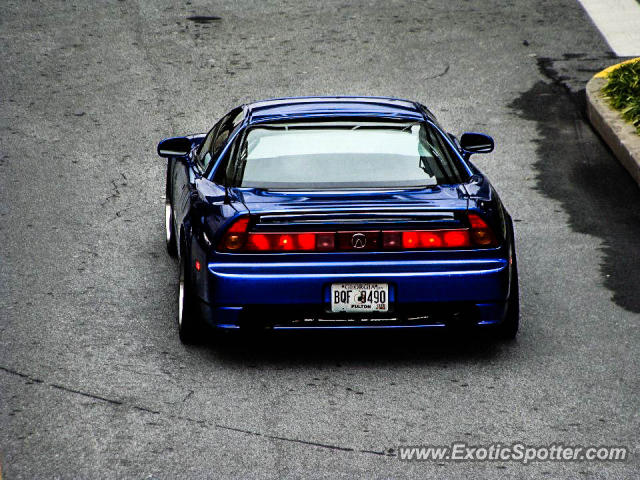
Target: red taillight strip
[[238, 239], [426, 239], [332, 241], [287, 242]]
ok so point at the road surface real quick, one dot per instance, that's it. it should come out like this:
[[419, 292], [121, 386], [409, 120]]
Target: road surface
[[93, 380]]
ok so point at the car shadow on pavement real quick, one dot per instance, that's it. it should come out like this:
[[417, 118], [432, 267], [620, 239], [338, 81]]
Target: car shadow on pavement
[[379, 347]]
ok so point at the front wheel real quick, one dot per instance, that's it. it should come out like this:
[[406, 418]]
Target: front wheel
[[170, 231], [172, 244], [190, 325]]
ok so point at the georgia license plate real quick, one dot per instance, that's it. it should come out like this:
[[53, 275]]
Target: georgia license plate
[[359, 297]]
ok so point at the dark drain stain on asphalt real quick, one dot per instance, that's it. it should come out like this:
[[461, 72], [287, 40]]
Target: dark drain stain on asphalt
[[204, 18], [576, 169]]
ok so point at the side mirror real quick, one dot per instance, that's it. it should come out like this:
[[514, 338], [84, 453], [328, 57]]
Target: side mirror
[[476, 143], [174, 147]]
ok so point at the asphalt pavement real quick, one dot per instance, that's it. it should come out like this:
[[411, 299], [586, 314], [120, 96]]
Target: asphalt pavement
[[94, 382]]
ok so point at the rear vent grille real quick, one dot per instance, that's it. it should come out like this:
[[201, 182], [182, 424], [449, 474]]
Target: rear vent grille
[[350, 218]]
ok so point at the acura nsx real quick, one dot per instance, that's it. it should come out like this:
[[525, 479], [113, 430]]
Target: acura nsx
[[337, 213]]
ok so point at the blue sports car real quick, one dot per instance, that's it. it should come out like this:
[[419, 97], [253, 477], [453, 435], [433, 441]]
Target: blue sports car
[[337, 213]]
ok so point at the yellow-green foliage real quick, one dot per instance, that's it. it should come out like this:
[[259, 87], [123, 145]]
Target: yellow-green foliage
[[623, 90]]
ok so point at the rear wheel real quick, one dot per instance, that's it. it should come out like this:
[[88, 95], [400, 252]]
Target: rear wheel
[[190, 325], [508, 329]]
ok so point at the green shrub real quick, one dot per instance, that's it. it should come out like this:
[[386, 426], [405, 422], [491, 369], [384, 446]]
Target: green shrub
[[623, 90]]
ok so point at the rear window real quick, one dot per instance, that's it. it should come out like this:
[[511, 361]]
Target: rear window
[[341, 156]]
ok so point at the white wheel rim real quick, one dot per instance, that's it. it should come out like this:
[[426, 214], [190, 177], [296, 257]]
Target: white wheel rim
[[167, 220]]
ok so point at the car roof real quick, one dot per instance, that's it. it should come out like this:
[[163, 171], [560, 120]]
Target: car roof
[[295, 108]]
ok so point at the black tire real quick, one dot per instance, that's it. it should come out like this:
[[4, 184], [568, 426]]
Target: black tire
[[508, 329], [172, 244], [190, 325]]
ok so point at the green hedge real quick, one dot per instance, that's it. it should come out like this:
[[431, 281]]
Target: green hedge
[[623, 90]]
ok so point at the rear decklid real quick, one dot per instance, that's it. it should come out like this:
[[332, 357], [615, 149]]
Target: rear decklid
[[439, 204]]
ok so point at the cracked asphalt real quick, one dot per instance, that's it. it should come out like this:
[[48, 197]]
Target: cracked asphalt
[[93, 380]]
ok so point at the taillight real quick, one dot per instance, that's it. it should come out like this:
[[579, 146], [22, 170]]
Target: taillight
[[325, 241], [258, 241], [238, 238], [281, 242], [429, 239], [286, 242], [456, 239], [410, 240], [391, 240], [307, 241], [480, 232]]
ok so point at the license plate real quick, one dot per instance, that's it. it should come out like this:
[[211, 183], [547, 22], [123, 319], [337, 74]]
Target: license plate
[[359, 297]]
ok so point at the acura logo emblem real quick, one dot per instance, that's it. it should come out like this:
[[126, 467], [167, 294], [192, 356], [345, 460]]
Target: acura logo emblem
[[359, 240]]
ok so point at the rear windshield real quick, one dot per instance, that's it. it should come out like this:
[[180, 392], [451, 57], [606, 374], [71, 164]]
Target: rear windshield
[[341, 156]]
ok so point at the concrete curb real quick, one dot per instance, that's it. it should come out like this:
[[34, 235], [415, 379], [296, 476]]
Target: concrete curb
[[616, 132]]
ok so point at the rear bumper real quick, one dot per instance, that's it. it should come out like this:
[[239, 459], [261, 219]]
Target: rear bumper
[[425, 293]]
